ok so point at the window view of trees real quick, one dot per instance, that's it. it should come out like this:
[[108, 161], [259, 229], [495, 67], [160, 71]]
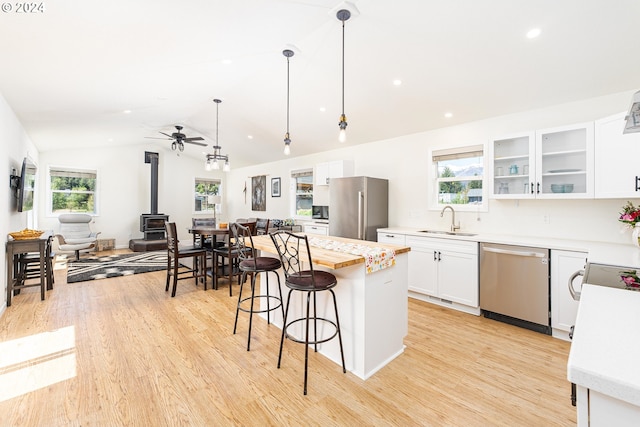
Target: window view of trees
[[460, 176], [203, 189], [72, 191]]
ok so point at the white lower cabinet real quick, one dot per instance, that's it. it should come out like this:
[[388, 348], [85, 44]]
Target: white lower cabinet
[[563, 307], [444, 271]]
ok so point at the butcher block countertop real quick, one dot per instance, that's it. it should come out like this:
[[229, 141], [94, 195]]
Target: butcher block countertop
[[329, 258]]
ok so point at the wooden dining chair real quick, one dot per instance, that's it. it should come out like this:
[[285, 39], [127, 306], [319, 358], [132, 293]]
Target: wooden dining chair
[[175, 253]]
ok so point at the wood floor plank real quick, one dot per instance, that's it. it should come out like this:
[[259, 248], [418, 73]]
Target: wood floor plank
[[143, 358]]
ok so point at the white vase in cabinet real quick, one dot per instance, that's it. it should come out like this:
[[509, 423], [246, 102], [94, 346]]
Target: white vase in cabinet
[[444, 272], [552, 163], [617, 166]]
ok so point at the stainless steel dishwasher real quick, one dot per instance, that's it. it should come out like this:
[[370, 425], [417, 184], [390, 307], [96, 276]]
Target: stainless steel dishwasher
[[514, 285]]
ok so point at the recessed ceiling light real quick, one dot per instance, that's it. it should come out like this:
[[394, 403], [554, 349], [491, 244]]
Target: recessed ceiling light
[[127, 111], [397, 82], [250, 136], [322, 109], [533, 33], [226, 61], [448, 115], [110, 139]]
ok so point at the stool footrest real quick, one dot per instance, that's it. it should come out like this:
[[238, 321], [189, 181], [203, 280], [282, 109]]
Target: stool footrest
[[316, 340]]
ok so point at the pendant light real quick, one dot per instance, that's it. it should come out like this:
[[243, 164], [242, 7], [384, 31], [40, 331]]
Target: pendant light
[[287, 140], [343, 15], [212, 159]]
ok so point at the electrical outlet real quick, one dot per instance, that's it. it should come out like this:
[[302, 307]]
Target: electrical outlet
[[546, 219]]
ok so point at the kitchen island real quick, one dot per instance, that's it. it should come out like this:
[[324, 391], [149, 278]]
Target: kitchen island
[[372, 302], [603, 358]]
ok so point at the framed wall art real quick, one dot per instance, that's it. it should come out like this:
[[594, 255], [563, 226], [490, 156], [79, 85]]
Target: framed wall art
[[275, 187]]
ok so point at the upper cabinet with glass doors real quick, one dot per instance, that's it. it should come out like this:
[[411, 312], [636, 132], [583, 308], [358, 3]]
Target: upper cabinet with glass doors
[[550, 163]]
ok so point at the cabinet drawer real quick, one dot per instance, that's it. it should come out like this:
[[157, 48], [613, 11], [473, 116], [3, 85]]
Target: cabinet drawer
[[444, 244], [394, 238]]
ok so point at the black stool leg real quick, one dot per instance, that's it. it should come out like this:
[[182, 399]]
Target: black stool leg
[[335, 305], [235, 325], [253, 299], [306, 341], [284, 327]]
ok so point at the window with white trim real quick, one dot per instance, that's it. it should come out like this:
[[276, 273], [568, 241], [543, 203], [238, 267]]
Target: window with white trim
[[302, 193], [459, 177], [207, 195], [72, 190]]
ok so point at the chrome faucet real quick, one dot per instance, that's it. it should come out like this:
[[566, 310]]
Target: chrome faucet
[[454, 227]]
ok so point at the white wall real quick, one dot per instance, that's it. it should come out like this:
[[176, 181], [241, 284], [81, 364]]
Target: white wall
[[16, 145], [403, 161], [124, 187]]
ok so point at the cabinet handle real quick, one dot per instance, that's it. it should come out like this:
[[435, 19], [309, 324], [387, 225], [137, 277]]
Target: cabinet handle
[[439, 256], [538, 188], [531, 185], [637, 182], [435, 258]]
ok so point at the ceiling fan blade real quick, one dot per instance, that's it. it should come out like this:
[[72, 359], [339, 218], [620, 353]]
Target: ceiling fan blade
[[194, 138], [187, 140], [155, 137], [167, 135]]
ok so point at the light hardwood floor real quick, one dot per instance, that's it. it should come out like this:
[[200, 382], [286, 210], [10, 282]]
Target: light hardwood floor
[[140, 358]]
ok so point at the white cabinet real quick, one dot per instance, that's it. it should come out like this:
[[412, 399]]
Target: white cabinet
[[563, 307], [446, 269], [336, 169], [321, 229], [617, 173], [393, 238], [550, 163]]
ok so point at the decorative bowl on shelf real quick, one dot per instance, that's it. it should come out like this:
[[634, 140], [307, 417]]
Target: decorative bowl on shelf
[[558, 188], [26, 234], [567, 188]]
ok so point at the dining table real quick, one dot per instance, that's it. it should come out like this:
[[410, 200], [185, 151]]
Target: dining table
[[204, 231]]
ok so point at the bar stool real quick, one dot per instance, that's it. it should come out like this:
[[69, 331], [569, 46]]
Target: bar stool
[[251, 264], [290, 250], [29, 264]]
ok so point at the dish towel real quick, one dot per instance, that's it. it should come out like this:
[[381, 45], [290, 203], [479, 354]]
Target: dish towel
[[375, 258]]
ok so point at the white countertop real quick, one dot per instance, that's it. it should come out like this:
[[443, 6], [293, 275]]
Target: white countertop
[[606, 343], [626, 255]]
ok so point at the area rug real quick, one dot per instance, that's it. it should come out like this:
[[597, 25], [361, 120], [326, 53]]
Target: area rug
[[103, 267]]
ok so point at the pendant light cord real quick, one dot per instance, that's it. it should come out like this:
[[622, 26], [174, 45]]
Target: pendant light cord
[[343, 68], [287, 95]]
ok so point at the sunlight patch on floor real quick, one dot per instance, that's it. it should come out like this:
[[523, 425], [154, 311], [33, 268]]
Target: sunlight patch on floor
[[36, 361]]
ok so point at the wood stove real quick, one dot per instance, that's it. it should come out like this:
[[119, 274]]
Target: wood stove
[[151, 224]]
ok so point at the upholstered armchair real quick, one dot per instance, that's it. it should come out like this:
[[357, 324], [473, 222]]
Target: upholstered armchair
[[75, 235]]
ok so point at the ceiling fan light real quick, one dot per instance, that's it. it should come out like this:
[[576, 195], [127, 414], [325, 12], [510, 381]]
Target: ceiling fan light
[[174, 146]]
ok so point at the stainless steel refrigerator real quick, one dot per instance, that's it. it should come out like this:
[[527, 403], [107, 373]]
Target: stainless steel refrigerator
[[358, 206]]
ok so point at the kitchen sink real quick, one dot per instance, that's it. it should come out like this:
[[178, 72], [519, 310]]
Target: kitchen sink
[[449, 233]]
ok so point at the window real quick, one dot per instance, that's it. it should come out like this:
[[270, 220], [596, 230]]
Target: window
[[303, 193], [205, 192], [459, 177], [72, 190]]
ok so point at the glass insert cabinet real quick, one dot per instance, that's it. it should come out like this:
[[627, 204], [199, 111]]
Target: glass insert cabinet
[[550, 163]]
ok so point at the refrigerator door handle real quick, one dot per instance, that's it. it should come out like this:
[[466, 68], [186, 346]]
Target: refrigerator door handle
[[361, 224]]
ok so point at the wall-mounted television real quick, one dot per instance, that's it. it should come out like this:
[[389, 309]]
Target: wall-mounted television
[[27, 185]]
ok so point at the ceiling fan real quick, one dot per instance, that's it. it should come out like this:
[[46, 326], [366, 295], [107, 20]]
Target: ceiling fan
[[180, 138]]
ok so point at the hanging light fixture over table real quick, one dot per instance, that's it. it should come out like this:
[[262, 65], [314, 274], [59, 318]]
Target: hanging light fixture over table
[[212, 159], [343, 15], [287, 140]]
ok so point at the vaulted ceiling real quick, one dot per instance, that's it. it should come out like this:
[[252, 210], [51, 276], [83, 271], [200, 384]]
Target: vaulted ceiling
[[110, 73]]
